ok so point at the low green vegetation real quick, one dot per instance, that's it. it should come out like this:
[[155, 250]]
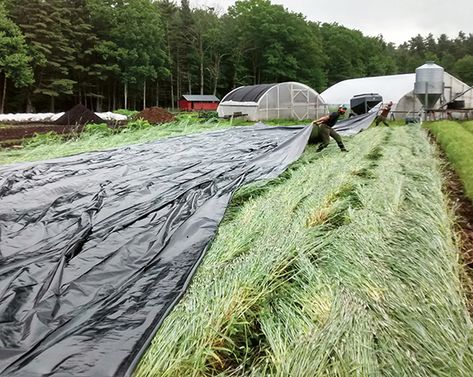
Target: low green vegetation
[[128, 113], [456, 141], [468, 126], [344, 266], [99, 137]]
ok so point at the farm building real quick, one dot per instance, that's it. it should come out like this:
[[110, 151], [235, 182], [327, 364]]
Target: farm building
[[400, 90], [191, 102], [289, 100]]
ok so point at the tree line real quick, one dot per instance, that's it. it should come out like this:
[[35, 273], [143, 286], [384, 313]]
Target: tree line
[[110, 54]]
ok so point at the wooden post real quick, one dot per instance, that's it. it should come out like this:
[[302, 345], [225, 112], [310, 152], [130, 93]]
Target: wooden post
[[126, 95]]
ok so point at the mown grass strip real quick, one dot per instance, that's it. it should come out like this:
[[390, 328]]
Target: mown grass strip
[[348, 267], [457, 143]]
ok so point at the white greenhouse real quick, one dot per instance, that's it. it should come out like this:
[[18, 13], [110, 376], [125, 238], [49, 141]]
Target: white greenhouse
[[289, 100], [400, 90]]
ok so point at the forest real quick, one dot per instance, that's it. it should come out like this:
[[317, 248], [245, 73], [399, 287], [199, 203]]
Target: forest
[[110, 54]]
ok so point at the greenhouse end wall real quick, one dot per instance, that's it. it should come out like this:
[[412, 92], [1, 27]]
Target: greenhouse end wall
[[281, 101]]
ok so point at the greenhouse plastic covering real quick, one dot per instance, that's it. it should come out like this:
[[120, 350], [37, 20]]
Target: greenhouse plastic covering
[[95, 249], [391, 88]]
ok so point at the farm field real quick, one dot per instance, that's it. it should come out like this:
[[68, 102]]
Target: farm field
[[175, 200], [346, 265]]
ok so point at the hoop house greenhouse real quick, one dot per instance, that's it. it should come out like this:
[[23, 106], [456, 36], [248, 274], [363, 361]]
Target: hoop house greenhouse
[[289, 100], [400, 90]]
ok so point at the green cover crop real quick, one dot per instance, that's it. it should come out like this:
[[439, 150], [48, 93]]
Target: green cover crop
[[456, 141], [345, 266]]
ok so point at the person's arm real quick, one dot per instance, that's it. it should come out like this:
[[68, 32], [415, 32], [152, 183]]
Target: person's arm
[[321, 120]]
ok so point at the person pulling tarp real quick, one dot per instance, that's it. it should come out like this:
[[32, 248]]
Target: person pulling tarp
[[347, 127], [383, 115], [325, 129]]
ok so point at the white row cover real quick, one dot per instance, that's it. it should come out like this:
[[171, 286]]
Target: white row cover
[[51, 117]]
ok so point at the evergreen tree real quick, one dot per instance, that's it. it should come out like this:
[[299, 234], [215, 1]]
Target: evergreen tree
[[131, 36], [45, 25], [14, 58], [187, 52], [169, 15]]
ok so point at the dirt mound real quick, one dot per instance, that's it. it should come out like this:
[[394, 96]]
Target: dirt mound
[[79, 115], [156, 115]]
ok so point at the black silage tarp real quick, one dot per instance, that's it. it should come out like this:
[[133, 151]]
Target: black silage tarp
[[356, 124], [95, 249]]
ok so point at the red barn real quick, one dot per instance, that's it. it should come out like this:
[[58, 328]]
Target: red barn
[[198, 103]]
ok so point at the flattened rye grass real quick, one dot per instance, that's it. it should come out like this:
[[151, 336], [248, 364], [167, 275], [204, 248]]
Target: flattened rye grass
[[346, 267]]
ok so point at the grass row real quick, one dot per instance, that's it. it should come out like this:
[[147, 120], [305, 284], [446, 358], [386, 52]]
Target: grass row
[[457, 142], [345, 266]]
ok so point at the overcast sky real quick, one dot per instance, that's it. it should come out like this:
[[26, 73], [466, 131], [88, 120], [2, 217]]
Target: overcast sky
[[396, 20]]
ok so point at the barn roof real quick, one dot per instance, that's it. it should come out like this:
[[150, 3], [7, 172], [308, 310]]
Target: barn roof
[[200, 98]]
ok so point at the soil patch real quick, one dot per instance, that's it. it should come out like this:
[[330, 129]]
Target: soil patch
[[463, 207], [156, 115], [19, 132]]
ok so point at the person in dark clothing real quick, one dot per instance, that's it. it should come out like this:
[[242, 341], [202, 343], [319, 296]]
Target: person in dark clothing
[[383, 115], [326, 131]]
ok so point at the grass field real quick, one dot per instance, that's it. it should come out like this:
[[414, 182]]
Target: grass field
[[456, 140], [345, 266]]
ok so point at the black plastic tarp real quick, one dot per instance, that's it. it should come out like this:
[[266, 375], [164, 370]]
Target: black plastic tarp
[[95, 249], [356, 124]]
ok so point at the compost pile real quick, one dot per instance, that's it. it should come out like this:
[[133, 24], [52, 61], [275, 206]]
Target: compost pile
[[79, 115], [97, 248], [156, 115]]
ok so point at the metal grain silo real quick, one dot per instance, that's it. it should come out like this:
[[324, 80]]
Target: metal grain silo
[[429, 84]]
